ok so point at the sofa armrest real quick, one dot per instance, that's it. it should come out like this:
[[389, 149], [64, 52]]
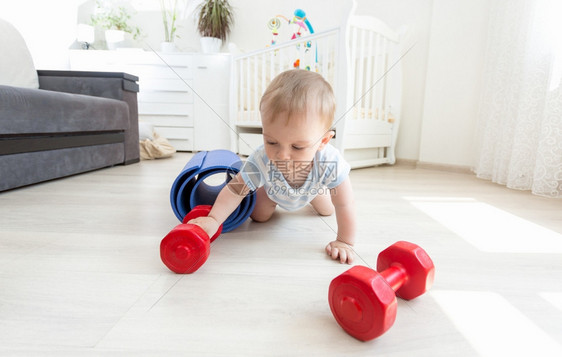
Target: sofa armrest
[[100, 84], [113, 85]]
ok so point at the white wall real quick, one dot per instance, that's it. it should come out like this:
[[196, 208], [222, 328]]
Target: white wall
[[454, 71], [48, 28]]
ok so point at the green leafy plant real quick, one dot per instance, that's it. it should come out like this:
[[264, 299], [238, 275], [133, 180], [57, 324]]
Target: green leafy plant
[[215, 18], [114, 19], [169, 18]]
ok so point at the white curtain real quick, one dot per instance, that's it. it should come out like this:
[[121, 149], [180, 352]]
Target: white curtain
[[520, 122]]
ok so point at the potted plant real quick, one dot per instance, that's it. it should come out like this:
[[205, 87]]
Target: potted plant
[[115, 22], [169, 17], [215, 20]]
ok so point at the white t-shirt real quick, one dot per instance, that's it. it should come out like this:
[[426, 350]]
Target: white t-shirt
[[328, 171]]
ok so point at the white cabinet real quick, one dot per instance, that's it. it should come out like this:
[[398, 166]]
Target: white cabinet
[[184, 95]]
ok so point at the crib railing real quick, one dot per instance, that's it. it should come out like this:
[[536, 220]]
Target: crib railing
[[371, 52], [252, 72], [374, 94]]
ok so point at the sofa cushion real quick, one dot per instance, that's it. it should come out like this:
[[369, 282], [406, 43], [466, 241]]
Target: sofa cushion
[[37, 111], [16, 64]]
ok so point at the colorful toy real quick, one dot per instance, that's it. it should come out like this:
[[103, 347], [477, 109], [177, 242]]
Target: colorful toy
[[363, 301], [299, 22], [186, 248], [302, 24], [274, 24]]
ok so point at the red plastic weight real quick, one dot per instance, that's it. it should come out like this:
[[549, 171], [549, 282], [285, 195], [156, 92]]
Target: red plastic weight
[[186, 248], [363, 301]]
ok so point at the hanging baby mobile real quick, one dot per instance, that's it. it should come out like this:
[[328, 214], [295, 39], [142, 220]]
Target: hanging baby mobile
[[299, 25]]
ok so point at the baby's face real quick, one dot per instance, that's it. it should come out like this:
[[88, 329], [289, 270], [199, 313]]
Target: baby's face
[[296, 142]]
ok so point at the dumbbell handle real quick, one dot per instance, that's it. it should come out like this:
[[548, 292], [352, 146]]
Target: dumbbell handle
[[395, 276]]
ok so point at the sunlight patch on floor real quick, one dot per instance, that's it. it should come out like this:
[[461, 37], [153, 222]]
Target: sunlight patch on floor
[[493, 326], [488, 228], [553, 298]]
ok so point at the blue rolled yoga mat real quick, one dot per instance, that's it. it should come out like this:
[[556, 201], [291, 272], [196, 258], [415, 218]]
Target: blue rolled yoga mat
[[190, 190]]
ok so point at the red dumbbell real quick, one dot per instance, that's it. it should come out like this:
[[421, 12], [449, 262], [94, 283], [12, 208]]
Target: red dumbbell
[[187, 246], [363, 301]]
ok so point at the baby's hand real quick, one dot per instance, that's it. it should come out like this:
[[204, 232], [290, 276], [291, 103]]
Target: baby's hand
[[208, 224], [342, 250]]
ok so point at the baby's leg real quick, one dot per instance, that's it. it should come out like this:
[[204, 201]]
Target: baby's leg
[[323, 205], [264, 207]]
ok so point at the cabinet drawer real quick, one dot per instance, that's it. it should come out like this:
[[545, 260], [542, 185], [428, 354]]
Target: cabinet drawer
[[148, 58], [165, 84], [180, 138], [168, 120], [182, 145], [165, 109], [157, 71], [175, 132], [211, 73], [148, 96], [173, 60]]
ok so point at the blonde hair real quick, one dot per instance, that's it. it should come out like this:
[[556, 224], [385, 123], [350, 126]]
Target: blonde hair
[[298, 92]]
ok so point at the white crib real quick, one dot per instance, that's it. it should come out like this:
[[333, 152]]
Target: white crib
[[360, 59]]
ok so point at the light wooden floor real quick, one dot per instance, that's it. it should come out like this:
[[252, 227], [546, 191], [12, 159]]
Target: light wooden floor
[[80, 271]]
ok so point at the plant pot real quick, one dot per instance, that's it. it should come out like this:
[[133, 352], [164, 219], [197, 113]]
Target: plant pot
[[114, 38], [167, 47], [210, 44]]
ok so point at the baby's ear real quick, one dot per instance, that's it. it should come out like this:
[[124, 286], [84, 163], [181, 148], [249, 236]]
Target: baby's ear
[[326, 139]]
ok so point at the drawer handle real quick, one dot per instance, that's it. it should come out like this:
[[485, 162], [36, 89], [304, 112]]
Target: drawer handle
[[202, 67]]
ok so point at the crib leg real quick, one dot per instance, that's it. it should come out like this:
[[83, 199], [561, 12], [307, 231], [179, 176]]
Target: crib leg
[[390, 155]]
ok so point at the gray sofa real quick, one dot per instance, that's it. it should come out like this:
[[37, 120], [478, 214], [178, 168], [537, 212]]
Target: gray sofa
[[75, 122]]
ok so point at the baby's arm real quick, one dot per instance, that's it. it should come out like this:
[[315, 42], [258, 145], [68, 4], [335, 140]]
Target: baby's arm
[[342, 198], [228, 199]]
